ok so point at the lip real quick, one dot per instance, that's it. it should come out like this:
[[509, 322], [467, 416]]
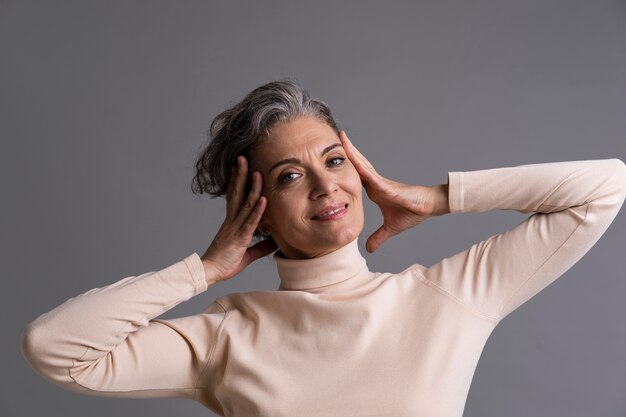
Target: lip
[[331, 208]]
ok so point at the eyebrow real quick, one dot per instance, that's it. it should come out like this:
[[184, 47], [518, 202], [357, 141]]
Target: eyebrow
[[297, 161]]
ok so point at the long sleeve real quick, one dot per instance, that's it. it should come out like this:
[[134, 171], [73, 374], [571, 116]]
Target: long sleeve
[[574, 202], [107, 342]]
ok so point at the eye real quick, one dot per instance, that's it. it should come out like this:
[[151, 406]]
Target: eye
[[339, 159], [287, 177]]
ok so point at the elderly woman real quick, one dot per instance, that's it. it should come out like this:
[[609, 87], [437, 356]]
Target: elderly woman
[[334, 339]]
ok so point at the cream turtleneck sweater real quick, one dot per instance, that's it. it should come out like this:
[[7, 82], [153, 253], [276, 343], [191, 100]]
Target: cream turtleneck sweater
[[335, 339]]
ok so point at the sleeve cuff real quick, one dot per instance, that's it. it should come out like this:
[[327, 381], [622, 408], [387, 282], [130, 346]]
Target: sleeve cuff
[[455, 192], [196, 268]]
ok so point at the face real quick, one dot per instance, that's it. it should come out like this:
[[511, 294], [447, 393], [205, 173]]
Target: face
[[306, 174]]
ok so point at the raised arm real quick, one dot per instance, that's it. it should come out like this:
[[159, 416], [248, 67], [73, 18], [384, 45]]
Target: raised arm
[[107, 341], [574, 202]]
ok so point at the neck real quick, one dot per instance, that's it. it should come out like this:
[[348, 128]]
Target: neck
[[328, 272]]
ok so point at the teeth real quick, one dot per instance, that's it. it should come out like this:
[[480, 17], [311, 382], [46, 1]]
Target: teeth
[[330, 213]]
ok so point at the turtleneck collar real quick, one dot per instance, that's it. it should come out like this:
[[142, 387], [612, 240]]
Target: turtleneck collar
[[332, 268]]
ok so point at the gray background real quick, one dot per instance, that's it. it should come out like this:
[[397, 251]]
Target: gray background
[[104, 107]]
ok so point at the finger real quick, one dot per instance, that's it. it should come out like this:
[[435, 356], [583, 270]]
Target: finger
[[252, 199], [237, 187], [231, 180], [356, 153], [251, 222], [377, 239], [263, 248], [362, 165]]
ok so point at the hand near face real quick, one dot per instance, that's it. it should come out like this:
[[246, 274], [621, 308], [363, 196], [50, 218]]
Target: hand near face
[[402, 205], [229, 253]]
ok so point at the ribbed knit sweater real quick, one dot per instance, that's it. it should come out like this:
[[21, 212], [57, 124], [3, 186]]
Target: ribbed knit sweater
[[335, 339]]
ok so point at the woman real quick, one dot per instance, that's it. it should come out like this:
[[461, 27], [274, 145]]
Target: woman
[[335, 339]]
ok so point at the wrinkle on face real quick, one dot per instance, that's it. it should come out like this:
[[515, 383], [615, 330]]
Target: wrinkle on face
[[317, 183]]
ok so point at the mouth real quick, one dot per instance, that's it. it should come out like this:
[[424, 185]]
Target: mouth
[[335, 211]]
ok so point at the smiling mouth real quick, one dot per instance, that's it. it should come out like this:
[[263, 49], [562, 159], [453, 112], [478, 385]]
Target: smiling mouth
[[334, 214]]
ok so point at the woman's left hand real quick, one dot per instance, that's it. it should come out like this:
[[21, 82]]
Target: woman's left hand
[[402, 205]]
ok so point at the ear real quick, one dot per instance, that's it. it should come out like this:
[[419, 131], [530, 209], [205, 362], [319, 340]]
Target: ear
[[262, 226]]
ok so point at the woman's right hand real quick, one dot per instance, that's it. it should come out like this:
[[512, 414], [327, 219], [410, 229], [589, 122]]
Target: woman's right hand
[[229, 253]]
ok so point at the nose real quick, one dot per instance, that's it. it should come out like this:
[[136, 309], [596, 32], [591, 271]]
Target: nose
[[322, 184]]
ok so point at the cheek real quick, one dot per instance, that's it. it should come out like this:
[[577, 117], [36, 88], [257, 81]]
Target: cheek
[[284, 210], [352, 173], [354, 182]]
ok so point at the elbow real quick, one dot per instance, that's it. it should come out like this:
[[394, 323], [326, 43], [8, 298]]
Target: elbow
[[32, 346], [37, 348], [45, 355], [619, 176], [620, 167]]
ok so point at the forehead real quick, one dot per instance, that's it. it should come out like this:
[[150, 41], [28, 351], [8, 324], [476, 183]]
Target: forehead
[[292, 139]]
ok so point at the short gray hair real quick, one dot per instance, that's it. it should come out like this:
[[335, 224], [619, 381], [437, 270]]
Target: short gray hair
[[240, 128]]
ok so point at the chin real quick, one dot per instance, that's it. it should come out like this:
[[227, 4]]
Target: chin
[[310, 242], [343, 237]]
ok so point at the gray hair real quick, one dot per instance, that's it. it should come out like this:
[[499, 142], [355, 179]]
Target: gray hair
[[240, 128]]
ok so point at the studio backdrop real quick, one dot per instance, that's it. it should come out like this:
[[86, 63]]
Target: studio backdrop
[[105, 105]]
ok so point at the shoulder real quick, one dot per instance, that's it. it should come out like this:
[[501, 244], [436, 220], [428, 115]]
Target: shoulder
[[246, 301], [412, 269]]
